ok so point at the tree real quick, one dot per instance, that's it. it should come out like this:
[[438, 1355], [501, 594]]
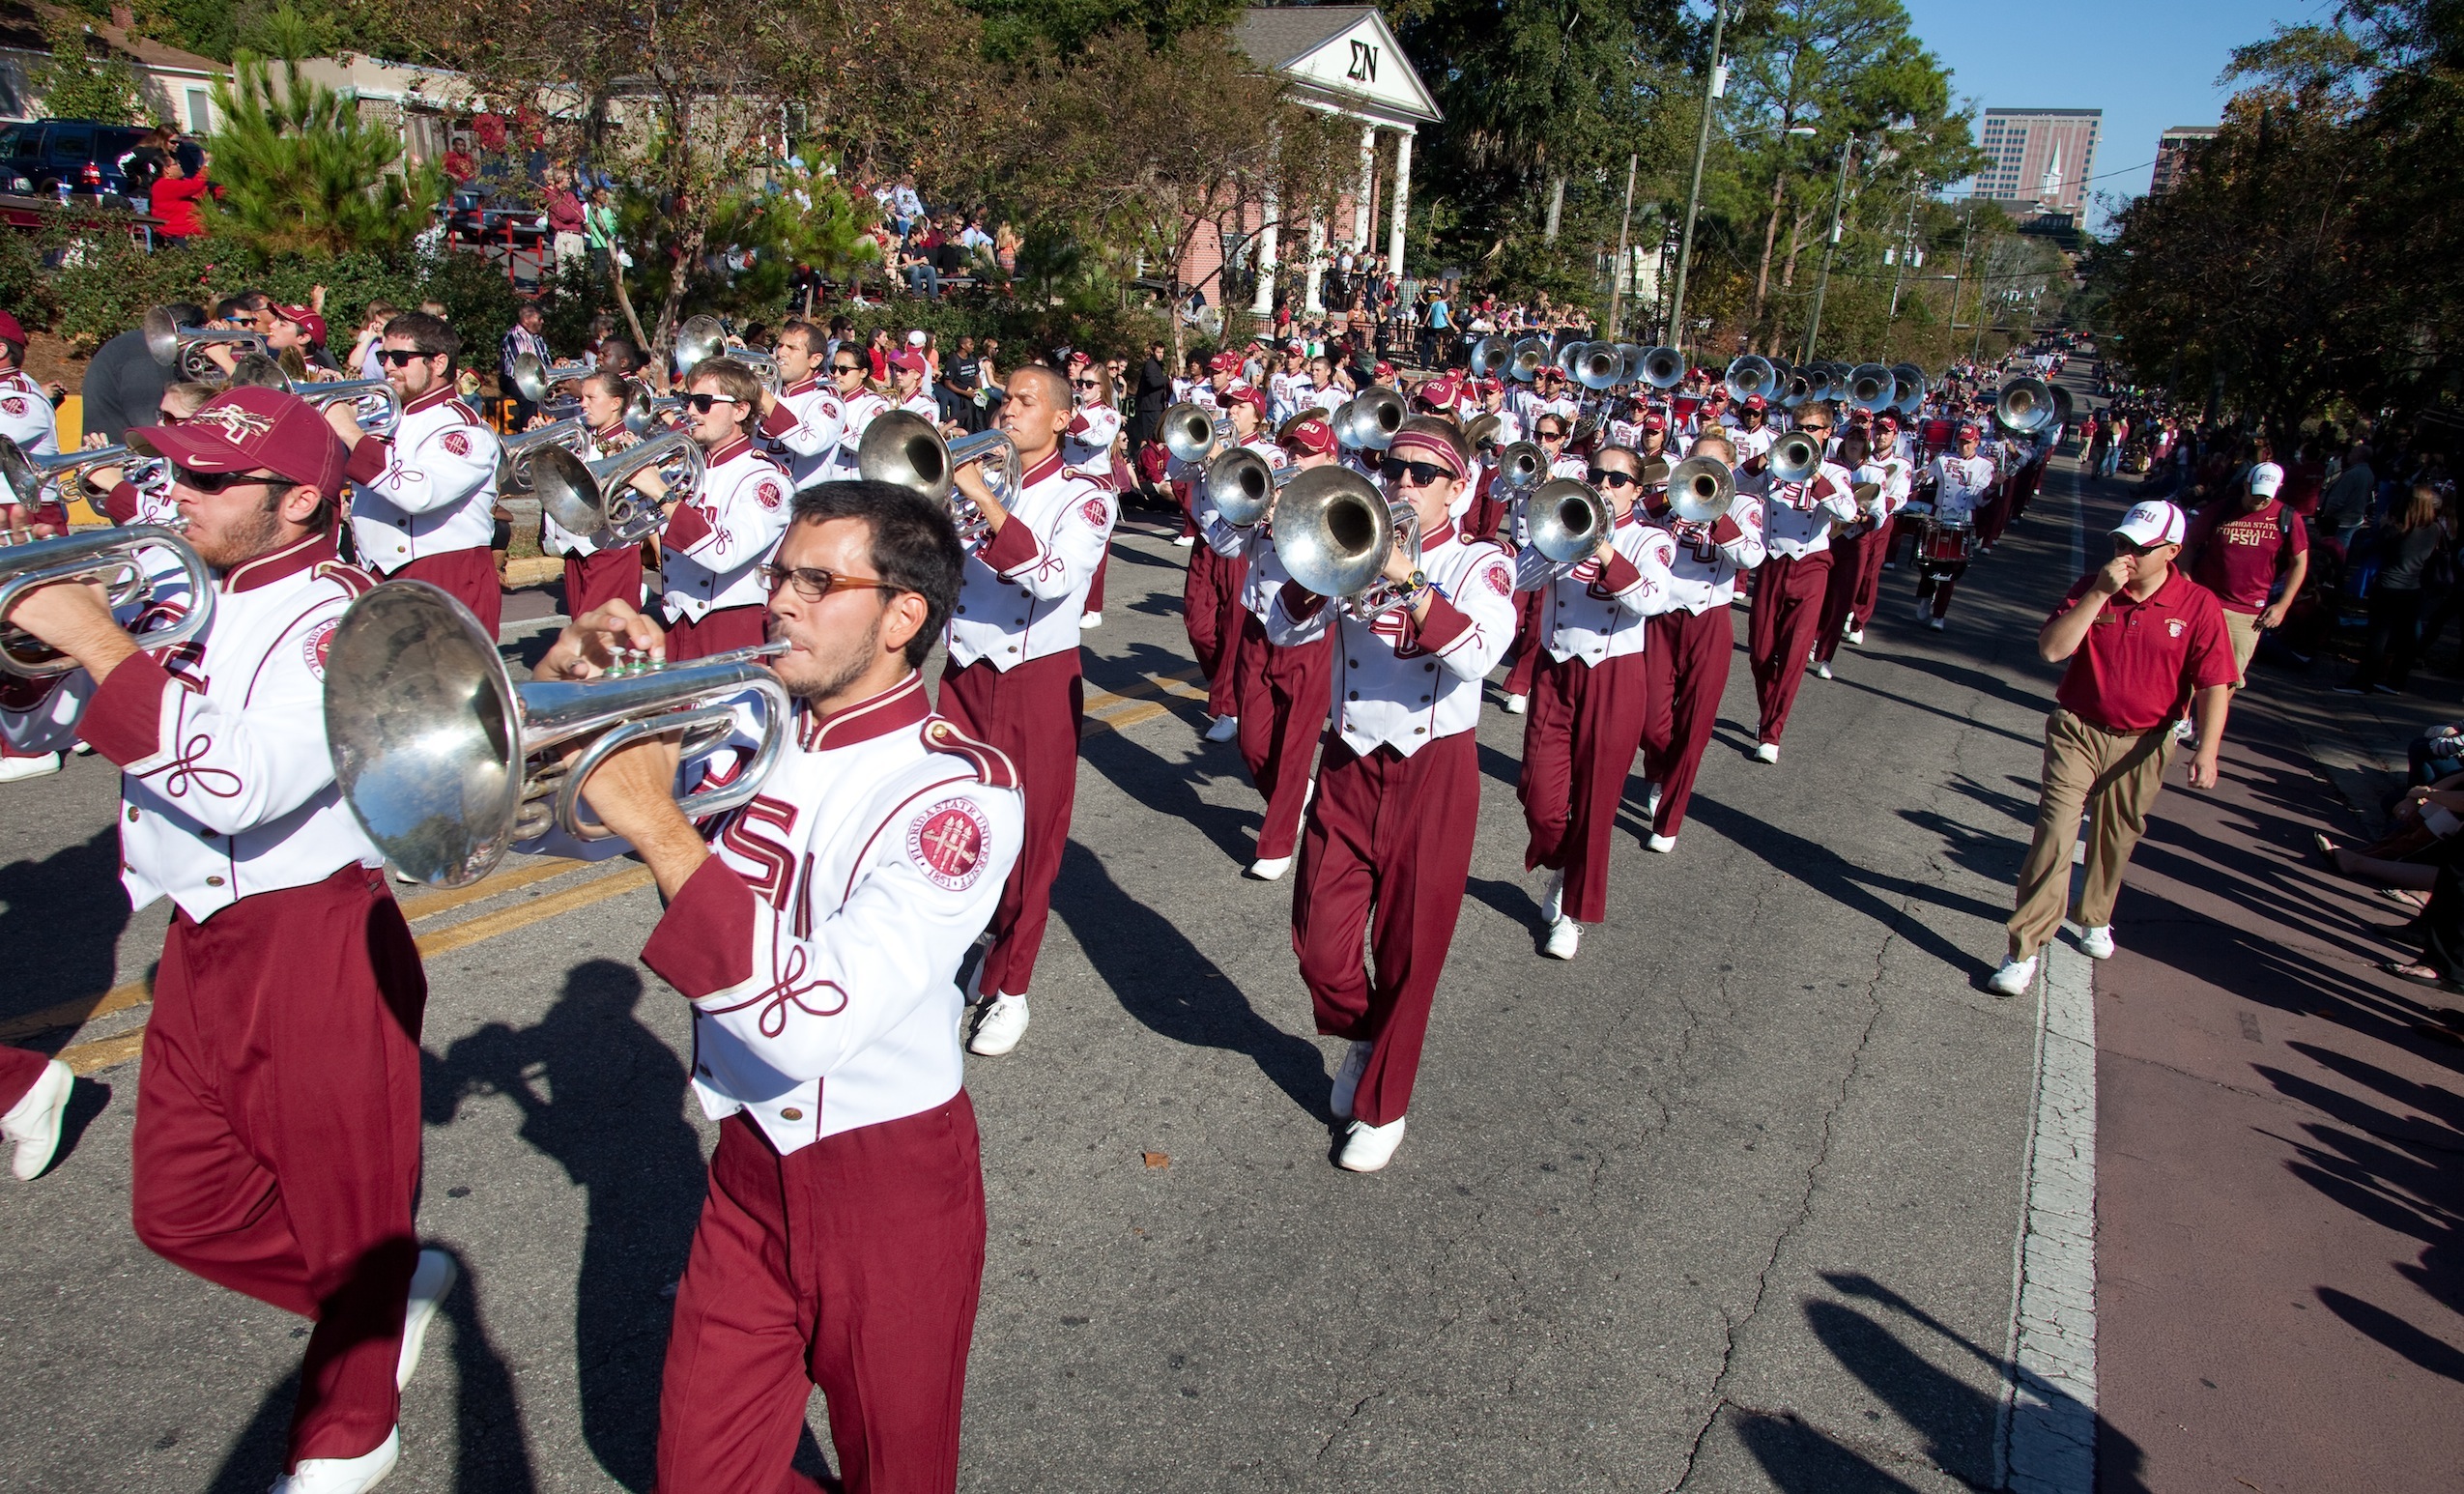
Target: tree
[[301, 174], [84, 80]]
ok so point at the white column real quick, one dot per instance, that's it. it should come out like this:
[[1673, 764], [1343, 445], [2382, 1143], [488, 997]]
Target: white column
[[1264, 304], [1402, 192], [1313, 303], [1365, 197]]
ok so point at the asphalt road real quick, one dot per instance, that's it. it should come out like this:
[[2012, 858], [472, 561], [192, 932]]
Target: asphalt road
[[1726, 1203]]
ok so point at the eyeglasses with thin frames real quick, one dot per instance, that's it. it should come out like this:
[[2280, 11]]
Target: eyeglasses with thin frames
[[811, 583]]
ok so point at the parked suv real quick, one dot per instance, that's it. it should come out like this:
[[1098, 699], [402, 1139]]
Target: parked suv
[[38, 156]]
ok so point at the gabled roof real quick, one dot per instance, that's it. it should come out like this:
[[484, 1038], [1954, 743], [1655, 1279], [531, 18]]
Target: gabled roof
[[22, 24], [1343, 56], [1277, 36]]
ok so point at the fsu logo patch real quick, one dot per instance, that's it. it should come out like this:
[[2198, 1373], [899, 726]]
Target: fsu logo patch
[[456, 443], [945, 843], [1497, 579], [1092, 510], [769, 495], [314, 647], [14, 405], [2176, 626]]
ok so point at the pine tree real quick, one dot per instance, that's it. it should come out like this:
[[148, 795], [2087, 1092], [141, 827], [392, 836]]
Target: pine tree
[[301, 174]]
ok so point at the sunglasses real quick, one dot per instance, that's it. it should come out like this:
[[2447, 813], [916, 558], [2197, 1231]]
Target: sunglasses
[[701, 403], [847, 368], [210, 483], [1552, 435], [811, 583], [1086, 384], [1418, 474], [1604, 477], [401, 358], [2123, 544]]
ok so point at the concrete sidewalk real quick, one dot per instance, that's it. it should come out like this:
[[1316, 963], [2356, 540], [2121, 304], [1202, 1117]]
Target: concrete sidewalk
[[2282, 1142]]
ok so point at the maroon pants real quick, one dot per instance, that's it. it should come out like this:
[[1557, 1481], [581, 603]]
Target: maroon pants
[[1578, 745], [853, 1264], [468, 576], [1211, 611], [722, 630], [1527, 651], [1386, 851], [278, 1139], [19, 1068], [1032, 714], [1851, 562], [1996, 514], [1869, 587], [1787, 609], [1094, 591], [1943, 585], [1283, 705], [608, 576], [1688, 661]]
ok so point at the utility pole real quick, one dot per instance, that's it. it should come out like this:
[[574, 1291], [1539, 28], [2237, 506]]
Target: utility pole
[[1616, 280], [1967, 226], [1839, 211], [1713, 86], [1907, 243]]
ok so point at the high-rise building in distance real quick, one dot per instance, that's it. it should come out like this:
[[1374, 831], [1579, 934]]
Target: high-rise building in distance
[[2042, 158], [2173, 151]]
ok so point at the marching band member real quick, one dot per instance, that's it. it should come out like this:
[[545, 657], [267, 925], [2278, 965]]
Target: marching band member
[[1962, 481], [1211, 592], [716, 539], [807, 418], [858, 404], [1787, 592], [27, 416], [1012, 675], [1095, 425], [1549, 431], [1283, 691], [1751, 439], [906, 383], [1289, 388], [34, 1095], [1591, 701], [423, 501], [1688, 652], [595, 571], [1856, 552], [817, 933], [1388, 847], [277, 1142]]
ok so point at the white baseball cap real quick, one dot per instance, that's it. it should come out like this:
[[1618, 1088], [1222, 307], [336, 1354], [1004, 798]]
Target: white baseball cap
[[2154, 522], [916, 340], [2266, 479]]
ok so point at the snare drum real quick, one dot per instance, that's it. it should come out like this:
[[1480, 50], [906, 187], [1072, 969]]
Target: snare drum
[[1946, 544]]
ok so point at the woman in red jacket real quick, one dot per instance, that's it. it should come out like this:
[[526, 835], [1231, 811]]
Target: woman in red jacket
[[174, 195]]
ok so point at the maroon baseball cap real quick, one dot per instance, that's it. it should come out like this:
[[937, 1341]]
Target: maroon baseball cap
[[912, 363], [1655, 421], [1309, 435], [10, 330], [250, 427], [1240, 392], [1755, 402], [308, 321]]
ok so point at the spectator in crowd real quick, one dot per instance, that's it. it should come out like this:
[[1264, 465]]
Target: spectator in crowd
[[2252, 553], [175, 195], [907, 205], [525, 336], [2409, 543], [364, 360], [2345, 504], [599, 232], [1005, 251], [124, 385], [565, 218]]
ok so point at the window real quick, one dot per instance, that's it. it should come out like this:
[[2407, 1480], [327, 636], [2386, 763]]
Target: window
[[200, 113]]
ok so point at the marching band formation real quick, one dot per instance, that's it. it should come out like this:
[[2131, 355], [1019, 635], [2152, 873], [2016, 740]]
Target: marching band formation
[[833, 847]]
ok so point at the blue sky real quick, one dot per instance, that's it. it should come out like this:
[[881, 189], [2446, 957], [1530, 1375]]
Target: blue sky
[[2149, 65]]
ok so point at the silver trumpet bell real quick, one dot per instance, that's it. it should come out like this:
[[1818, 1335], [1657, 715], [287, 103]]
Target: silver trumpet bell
[[1601, 367], [1663, 367], [514, 452], [1368, 420], [1521, 465], [1490, 355], [1334, 531], [183, 347], [2024, 406], [698, 340], [1241, 486], [1531, 355], [1795, 457], [1750, 375], [107, 558], [534, 379], [646, 412], [1190, 431], [1700, 489], [599, 499], [1871, 387], [27, 477], [374, 402], [1909, 381], [903, 447], [1566, 520], [446, 760]]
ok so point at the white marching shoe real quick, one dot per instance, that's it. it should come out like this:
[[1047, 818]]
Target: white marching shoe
[[1224, 728], [343, 1475], [33, 1123], [1854, 636], [429, 1283], [2096, 943], [1553, 900], [1769, 752], [1004, 1023], [44, 765], [1651, 798], [1517, 704], [1090, 619], [1566, 936], [1268, 869], [1368, 1148], [1184, 541], [1663, 843], [2015, 977], [1821, 669], [1936, 624], [1347, 1080]]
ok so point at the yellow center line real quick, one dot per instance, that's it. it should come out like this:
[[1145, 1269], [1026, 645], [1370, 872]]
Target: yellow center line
[[428, 903], [1104, 700]]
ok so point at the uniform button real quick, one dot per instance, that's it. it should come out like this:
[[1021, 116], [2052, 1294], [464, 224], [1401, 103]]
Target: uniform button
[[962, 610], [1014, 648], [1431, 667], [213, 881], [1419, 730], [1355, 694], [1355, 663], [1017, 622], [792, 1113], [1424, 700], [132, 814]]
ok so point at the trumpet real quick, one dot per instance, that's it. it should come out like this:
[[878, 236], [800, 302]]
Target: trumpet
[[1241, 486], [1563, 521], [1795, 457], [27, 477], [446, 760], [645, 411], [534, 379], [513, 454], [374, 404], [903, 447], [1751, 376], [1368, 420], [183, 347], [1700, 489], [1333, 531], [599, 499], [1192, 431], [107, 558], [1662, 368]]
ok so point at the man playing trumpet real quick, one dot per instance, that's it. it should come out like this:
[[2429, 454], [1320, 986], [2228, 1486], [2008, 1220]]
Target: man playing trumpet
[[718, 536]]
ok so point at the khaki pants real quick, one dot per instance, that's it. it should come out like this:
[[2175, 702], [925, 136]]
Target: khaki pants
[[2242, 627], [2115, 777]]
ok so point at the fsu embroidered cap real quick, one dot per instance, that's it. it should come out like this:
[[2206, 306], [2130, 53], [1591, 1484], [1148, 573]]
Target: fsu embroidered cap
[[2154, 522], [253, 427]]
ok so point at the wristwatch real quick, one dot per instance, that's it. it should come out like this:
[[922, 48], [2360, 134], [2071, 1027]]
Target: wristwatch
[[1416, 583]]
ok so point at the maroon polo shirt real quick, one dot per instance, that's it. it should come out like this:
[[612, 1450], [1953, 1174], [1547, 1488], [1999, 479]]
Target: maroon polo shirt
[[2240, 553], [2141, 662]]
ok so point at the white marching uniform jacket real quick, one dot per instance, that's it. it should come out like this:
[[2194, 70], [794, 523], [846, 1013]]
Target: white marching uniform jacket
[[554, 537], [1797, 516], [1596, 612], [712, 550], [923, 405], [1087, 443], [1960, 486], [1750, 444], [820, 943], [858, 411], [26, 418], [428, 489], [805, 427], [225, 787], [1703, 574], [1024, 588], [1400, 684]]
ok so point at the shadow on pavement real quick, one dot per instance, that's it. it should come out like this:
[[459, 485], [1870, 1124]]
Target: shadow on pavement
[[71, 905]]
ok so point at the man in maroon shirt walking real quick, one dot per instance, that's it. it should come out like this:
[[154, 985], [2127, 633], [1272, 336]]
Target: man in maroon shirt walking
[[2237, 548], [2145, 643]]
